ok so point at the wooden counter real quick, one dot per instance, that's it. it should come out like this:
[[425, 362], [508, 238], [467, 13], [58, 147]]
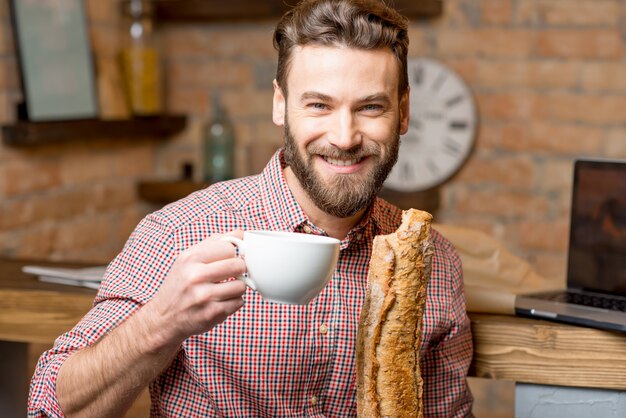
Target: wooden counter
[[543, 352], [505, 347], [35, 312]]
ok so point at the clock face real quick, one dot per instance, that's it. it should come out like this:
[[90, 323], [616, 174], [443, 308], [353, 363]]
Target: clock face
[[441, 130]]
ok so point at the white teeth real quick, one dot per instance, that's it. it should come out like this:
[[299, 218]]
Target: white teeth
[[341, 162]]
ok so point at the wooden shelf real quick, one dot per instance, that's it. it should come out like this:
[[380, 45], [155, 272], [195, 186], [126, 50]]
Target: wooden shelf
[[217, 10], [163, 192], [35, 133]]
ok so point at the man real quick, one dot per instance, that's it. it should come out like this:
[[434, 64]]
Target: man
[[167, 315]]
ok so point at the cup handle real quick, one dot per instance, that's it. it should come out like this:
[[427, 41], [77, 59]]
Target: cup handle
[[241, 247]]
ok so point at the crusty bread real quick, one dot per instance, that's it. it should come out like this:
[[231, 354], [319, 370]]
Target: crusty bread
[[389, 381]]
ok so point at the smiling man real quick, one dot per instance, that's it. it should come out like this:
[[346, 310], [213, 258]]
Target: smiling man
[[166, 315]]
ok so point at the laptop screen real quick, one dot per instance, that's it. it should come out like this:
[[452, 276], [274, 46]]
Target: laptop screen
[[597, 247]]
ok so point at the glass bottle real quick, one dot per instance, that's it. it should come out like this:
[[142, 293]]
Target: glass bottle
[[219, 145], [140, 59]]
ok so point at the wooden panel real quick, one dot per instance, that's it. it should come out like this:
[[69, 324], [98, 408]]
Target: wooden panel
[[32, 311], [167, 191], [34, 133], [533, 351], [217, 10]]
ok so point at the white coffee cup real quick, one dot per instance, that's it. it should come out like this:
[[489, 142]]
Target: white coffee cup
[[287, 267]]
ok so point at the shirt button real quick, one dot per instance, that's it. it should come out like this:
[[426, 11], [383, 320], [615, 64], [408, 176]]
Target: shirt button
[[323, 329], [313, 400], [306, 229]]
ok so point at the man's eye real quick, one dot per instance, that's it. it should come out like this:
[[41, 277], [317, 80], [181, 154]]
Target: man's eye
[[372, 108], [318, 106]]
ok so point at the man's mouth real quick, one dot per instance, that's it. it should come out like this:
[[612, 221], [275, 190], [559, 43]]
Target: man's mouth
[[342, 163]]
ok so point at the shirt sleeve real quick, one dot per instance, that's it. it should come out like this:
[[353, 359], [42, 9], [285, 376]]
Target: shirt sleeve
[[130, 281], [446, 362]]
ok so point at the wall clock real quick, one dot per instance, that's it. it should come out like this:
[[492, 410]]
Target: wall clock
[[442, 128]]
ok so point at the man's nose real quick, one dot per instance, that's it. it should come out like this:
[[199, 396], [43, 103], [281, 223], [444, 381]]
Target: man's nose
[[345, 133]]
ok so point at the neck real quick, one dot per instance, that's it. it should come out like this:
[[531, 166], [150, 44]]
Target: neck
[[335, 227]]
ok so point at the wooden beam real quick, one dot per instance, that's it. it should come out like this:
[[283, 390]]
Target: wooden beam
[[35, 133], [234, 10]]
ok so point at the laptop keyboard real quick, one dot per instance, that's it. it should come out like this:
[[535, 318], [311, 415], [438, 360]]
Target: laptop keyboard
[[594, 301]]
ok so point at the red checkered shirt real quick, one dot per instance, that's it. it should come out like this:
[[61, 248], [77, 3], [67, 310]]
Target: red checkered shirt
[[269, 360]]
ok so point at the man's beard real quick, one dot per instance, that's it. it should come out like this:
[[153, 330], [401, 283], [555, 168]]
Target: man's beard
[[345, 194]]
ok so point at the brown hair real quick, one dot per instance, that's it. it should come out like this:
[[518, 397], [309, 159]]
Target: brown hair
[[362, 24]]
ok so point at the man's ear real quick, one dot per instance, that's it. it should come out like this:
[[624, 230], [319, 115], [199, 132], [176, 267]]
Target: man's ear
[[404, 112], [279, 103]]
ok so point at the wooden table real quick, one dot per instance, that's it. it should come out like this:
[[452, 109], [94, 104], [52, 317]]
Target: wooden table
[[505, 347], [30, 312]]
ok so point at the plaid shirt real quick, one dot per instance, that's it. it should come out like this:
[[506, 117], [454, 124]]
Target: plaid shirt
[[269, 360]]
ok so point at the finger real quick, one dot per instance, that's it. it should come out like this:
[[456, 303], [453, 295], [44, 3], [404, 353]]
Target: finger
[[216, 271], [221, 292], [210, 250]]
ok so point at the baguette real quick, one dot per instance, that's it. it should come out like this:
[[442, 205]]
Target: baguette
[[389, 381]]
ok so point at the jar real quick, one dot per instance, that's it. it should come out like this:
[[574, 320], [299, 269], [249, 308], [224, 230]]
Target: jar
[[140, 59], [219, 145]]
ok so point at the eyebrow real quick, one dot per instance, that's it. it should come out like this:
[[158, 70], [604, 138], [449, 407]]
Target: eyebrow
[[308, 95]]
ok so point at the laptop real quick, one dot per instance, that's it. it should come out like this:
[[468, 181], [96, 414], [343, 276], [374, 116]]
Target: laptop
[[596, 265]]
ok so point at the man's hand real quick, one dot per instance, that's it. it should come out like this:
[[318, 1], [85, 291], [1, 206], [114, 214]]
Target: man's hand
[[104, 379], [197, 294]]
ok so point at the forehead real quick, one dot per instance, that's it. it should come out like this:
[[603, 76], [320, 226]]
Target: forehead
[[340, 69]]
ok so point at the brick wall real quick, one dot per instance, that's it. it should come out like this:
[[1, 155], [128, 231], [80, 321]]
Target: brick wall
[[76, 200], [549, 77]]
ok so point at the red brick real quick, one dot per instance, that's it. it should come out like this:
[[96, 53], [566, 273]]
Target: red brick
[[36, 243], [593, 43], [489, 136], [496, 43], [249, 103], [85, 167], [542, 235], [103, 11], [516, 172], [106, 40], [7, 113], [597, 109], [225, 43], [564, 138], [66, 204], [128, 219], [87, 232], [615, 143], [209, 74], [27, 176], [187, 100], [514, 136], [604, 76], [582, 13], [15, 214], [556, 178], [466, 68], [495, 12], [419, 44], [112, 196], [457, 14], [523, 73], [137, 161], [9, 74], [7, 45], [507, 106], [499, 203]]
